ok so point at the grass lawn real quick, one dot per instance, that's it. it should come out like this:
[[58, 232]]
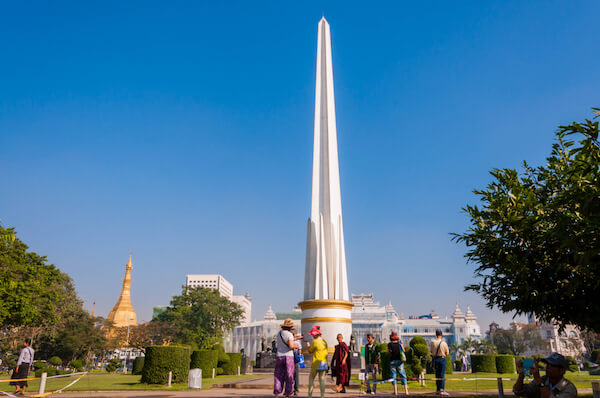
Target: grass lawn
[[465, 384], [117, 381]]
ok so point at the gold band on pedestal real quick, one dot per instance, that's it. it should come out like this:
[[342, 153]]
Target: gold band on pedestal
[[337, 304], [319, 319]]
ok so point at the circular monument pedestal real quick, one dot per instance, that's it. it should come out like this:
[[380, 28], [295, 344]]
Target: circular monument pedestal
[[333, 316]]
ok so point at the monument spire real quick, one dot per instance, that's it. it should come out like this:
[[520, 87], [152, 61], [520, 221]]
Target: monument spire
[[326, 298], [123, 313], [325, 277]]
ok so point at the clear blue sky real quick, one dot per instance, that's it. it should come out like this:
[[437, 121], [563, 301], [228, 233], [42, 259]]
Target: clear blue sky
[[183, 131]]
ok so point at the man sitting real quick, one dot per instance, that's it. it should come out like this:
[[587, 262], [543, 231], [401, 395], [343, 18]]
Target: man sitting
[[552, 385]]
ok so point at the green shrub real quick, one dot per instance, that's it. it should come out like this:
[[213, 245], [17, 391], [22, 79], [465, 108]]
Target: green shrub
[[413, 364], [595, 356], [538, 359], [572, 364], [458, 365], [77, 364], [38, 365], [449, 369], [483, 363], [138, 366], [51, 371], [231, 367], [421, 350], [223, 358], [160, 360], [505, 364], [219, 371], [417, 340], [55, 361], [113, 365], [384, 364], [207, 360]]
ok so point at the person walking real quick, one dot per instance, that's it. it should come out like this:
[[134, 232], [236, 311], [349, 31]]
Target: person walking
[[397, 359], [340, 365], [284, 364], [318, 349], [371, 363], [439, 350], [22, 370]]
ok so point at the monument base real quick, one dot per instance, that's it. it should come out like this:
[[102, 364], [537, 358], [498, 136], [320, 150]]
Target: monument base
[[333, 316]]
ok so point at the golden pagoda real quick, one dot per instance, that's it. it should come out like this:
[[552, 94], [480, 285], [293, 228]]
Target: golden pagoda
[[123, 313]]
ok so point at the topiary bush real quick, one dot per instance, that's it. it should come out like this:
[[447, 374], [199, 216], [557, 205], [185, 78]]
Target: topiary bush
[[55, 361], [231, 367], [113, 365], [458, 365], [138, 366], [505, 364], [77, 364], [595, 356], [417, 340], [483, 363], [572, 364], [207, 360], [38, 365], [160, 360], [449, 369], [384, 364], [219, 371]]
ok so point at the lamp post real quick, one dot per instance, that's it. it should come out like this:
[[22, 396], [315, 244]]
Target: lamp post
[[127, 345]]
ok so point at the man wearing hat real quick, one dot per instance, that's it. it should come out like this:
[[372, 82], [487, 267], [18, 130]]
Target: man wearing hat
[[552, 385], [439, 351], [284, 364]]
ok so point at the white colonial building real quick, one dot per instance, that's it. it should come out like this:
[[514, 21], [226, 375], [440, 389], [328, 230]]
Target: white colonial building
[[368, 316]]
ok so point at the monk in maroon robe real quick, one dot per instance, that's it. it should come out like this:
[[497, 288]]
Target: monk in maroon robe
[[340, 365]]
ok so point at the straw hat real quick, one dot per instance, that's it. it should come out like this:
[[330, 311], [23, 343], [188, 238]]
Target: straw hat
[[288, 323]]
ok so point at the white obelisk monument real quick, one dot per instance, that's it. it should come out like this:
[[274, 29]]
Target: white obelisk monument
[[326, 299]]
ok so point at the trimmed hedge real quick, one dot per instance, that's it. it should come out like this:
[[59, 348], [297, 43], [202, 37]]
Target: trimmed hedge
[[77, 364], [138, 366], [55, 361], [449, 368], [207, 360], [160, 360], [505, 364], [483, 363], [596, 356], [231, 367]]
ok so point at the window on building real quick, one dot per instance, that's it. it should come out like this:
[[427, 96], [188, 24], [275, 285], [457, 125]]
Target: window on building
[[564, 344], [548, 334], [573, 334]]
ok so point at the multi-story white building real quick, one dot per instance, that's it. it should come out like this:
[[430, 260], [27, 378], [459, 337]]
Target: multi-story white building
[[211, 281], [246, 303], [225, 288]]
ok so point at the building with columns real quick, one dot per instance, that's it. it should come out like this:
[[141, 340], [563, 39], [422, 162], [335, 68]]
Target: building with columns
[[368, 316]]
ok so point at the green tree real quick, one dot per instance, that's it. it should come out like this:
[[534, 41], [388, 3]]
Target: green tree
[[536, 237], [31, 290], [516, 341], [200, 316]]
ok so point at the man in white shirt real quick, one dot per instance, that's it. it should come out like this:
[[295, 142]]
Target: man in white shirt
[[439, 351]]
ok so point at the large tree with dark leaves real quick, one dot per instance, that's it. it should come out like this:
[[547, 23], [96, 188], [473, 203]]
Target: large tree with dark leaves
[[536, 235], [200, 316]]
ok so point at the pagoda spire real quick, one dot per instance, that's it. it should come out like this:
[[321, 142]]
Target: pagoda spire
[[123, 313]]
